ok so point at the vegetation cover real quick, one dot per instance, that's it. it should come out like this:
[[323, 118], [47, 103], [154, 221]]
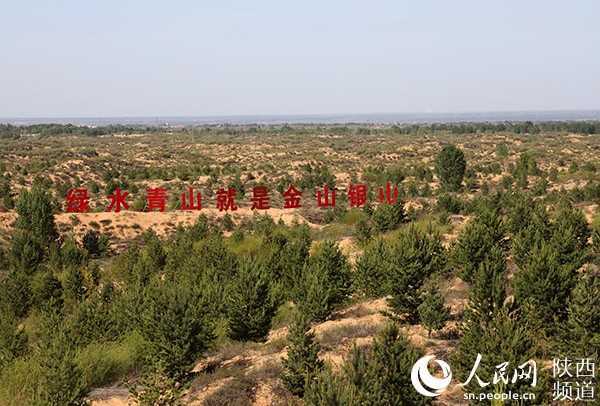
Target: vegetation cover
[[491, 248]]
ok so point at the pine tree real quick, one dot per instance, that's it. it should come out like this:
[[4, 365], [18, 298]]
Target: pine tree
[[387, 217], [542, 287], [373, 267], [315, 298], [390, 362], [535, 228], [415, 256], [379, 376], [432, 311], [505, 337], [488, 289], [287, 255], [250, 308], [302, 362], [570, 234], [477, 239], [62, 381], [450, 166], [35, 229], [583, 324], [15, 293], [328, 389], [520, 211], [326, 282], [595, 248], [176, 325], [35, 215]]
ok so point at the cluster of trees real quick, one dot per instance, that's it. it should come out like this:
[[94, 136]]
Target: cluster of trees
[[516, 127], [45, 130], [65, 313], [174, 295]]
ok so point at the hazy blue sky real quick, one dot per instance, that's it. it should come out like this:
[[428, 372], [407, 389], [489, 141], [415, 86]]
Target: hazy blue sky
[[149, 58]]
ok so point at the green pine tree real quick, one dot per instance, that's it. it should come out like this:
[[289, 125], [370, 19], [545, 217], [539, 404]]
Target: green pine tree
[[302, 362], [326, 282], [376, 376], [505, 337], [475, 242], [450, 166], [595, 248], [250, 308], [328, 389], [488, 289], [542, 288], [362, 231], [432, 311], [176, 325], [35, 230], [61, 381], [387, 217], [582, 332], [414, 257], [45, 289], [373, 267]]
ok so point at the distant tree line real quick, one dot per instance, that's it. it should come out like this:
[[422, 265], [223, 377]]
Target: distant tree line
[[516, 127], [45, 130]]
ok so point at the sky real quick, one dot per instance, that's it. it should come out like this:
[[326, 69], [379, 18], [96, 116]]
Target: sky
[[122, 58]]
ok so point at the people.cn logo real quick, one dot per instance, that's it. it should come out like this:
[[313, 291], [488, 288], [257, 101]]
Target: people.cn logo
[[427, 384]]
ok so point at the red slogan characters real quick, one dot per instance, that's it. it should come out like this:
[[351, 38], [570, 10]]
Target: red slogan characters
[[78, 199]]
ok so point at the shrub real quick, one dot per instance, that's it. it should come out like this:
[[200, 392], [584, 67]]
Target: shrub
[[71, 254], [227, 222], [15, 293], [61, 381], [13, 340], [103, 363], [449, 203], [362, 231], [45, 288], [74, 288], [94, 243]]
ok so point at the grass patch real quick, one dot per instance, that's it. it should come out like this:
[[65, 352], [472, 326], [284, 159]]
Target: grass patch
[[104, 363], [335, 231], [332, 337]]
